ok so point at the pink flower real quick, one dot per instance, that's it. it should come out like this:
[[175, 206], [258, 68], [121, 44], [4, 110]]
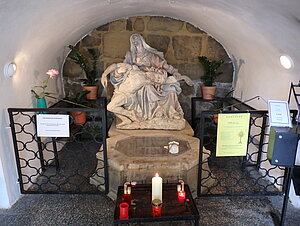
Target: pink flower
[[52, 73]]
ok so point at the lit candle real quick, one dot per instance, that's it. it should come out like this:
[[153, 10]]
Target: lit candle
[[157, 187], [126, 197], [126, 191]]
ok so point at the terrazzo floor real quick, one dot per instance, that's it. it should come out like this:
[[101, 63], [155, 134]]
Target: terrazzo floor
[[86, 210]]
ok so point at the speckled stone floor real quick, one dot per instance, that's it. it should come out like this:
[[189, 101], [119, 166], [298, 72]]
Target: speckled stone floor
[[86, 210]]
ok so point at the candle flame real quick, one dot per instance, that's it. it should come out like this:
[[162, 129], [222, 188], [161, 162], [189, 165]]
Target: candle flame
[[156, 175]]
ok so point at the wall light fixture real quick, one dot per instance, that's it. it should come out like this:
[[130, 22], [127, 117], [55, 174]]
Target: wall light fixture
[[10, 69], [286, 61]]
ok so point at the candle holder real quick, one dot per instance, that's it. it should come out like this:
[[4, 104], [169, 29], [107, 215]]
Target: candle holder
[[156, 208], [124, 206], [180, 191], [133, 183], [126, 198], [181, 196]]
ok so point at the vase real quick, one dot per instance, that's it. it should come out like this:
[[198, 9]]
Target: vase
[[41, 103], [92, 95]]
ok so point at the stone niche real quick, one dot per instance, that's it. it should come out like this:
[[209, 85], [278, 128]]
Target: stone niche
[[180, 42]]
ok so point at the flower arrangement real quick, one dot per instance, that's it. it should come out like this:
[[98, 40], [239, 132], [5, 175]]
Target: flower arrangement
[[52, 73]]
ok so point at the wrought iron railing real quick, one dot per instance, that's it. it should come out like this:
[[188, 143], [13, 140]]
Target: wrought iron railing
[[247, 175], [75, 164], [251, 175]]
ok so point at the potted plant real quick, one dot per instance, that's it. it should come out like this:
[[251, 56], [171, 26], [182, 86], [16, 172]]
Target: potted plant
[[210, 74], [79, 100], [90, 69], [40, 93]]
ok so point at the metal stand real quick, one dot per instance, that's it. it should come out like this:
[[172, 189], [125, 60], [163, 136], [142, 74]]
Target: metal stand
[[286, 195]]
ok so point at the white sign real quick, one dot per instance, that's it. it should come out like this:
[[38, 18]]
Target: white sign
[[279, 113], [52, 125]]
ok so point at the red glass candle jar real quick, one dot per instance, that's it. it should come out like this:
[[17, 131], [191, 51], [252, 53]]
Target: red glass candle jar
[[126, 198], [124, 210], [181, 196], [156, 208]]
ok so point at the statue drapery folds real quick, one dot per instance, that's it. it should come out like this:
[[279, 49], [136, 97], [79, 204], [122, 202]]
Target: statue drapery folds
[[146, 89]]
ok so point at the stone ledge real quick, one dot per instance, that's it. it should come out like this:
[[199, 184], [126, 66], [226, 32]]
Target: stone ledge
[[113, 131]]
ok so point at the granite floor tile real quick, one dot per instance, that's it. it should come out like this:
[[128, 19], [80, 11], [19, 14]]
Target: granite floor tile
[[89, 210], [66, 219], [17, 220], [27, 204]]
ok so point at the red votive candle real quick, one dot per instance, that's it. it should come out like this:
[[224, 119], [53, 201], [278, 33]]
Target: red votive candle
[[181, 196], [124, 210], [156, 208], [126, 198]]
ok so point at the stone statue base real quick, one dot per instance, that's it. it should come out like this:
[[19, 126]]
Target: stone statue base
[[136, 155], [155, 123]]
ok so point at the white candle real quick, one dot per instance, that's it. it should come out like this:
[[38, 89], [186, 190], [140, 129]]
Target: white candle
[[157, 187]]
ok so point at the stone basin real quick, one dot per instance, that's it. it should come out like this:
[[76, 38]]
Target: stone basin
[[138, 155], [151, 147]]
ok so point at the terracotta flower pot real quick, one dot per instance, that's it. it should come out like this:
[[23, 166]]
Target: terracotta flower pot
[[208, 92], [79, 117], [215, 118], [92, 95]]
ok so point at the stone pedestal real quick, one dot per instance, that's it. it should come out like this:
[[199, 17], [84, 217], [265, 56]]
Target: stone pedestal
[[136, 155]]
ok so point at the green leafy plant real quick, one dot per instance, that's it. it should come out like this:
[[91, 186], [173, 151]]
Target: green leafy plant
[[90, 69], [210, 70], [79, 100]]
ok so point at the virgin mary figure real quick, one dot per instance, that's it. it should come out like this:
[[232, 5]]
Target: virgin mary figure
[[146, 89]]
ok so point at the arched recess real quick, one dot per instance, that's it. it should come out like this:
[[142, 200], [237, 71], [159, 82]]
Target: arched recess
[[36, 34], [181, 43]]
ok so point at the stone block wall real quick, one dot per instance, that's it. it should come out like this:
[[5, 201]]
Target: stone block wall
[[180, 42]]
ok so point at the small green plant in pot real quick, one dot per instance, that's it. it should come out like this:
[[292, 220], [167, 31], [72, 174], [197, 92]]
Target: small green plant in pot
[[79, 101], [90, 69], [210, 74]]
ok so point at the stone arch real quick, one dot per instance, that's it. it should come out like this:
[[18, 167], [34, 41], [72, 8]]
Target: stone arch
[[180, 41]]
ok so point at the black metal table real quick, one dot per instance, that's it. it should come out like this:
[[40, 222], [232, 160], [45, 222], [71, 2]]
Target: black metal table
[[140, 209]]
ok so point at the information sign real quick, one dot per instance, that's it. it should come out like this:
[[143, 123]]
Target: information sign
[[279, 113], [53, 125], [232, 134]]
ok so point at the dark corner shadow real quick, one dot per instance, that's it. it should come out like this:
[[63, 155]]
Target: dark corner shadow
[[275, 218]]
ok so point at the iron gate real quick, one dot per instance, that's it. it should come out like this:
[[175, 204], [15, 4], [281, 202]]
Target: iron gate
[[249, 175], [75, 164]]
